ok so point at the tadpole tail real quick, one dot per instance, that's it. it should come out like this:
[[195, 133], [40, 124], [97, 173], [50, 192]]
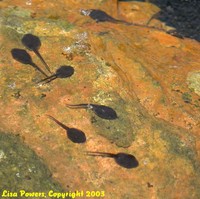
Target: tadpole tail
[[42, 60], [76, 106], [102, 154], [139, 25], [50, 78], [123, 22], [154, 16], [52, 118], [37, 68], [146, 26], [57, 122]]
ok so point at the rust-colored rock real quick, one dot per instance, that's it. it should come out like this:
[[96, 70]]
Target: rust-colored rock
[[150, 78]]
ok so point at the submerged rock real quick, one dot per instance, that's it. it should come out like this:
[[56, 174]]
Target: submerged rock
[[150, 78], [21, 169]]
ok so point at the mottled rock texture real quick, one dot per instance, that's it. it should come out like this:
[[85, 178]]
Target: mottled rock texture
[[150, 78], [21, 169]]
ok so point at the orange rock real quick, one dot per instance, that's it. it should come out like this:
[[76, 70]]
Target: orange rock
[[148, 77]]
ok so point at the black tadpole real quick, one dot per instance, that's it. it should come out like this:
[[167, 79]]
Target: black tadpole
[[101, 16], [32, 42], [62, 72], [23, 57], [123, 159], [75, 135], [102, 111]]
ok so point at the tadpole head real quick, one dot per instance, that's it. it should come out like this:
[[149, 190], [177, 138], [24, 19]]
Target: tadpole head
[[21, 56], [76, 135], [104, 112], [31, 42], [64, 71], [126, 160], [100, 16]]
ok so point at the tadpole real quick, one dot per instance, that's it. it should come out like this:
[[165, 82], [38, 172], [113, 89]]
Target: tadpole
[[62, 72], [123, 159], [101, 16], [102, 111], [23, 57], [75, 135], [32, 42]]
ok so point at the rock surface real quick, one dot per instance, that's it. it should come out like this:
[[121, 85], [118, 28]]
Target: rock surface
[[150, 78], [21, 169]]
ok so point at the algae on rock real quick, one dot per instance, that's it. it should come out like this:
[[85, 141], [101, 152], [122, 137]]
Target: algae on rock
[[193, 81], [21, 168], [20, 20], [120, 131]]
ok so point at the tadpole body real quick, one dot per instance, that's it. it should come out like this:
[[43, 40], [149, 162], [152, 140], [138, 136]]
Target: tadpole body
[[101, 16], [75, 135], [23, 57], [32, 42], [123, 159], [62, 72], [102, 111]]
